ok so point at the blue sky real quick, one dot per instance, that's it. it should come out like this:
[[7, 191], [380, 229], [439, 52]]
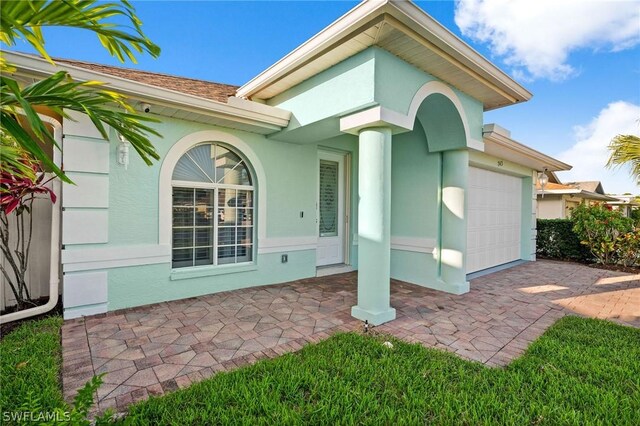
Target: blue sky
[[580, 58]]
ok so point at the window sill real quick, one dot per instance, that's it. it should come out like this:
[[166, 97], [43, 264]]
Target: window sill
[[206, 271]]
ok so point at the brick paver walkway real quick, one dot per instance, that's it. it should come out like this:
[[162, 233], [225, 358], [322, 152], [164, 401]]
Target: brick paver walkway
[[159, 348]]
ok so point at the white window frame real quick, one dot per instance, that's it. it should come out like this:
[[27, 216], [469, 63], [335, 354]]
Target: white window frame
[[215, 187], [165, 188]]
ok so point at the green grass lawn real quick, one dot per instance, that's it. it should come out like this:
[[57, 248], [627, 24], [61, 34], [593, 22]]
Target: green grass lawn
[[30, 362], [581, 371]]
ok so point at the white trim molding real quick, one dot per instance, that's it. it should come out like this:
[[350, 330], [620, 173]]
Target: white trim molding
[[88, 288], [438, 87], [375, 117], [84, 311], [260, 118], [279, 245], [399, 123], [176, 152], [498, 142], [417, 245], [114, 257], [311, 57]]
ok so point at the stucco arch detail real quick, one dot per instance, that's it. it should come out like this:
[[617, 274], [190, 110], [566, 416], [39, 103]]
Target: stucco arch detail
[[438, 87], [178, 150]]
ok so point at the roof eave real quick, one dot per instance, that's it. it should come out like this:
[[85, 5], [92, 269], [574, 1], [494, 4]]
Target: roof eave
[[264, 118], [367, 12], [575, 192], [459, 46], [528, 156]]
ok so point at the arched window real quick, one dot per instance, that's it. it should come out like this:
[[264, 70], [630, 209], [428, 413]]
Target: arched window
[[213, 208]]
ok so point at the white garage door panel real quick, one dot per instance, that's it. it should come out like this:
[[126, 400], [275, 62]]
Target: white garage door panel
[[494, 220]]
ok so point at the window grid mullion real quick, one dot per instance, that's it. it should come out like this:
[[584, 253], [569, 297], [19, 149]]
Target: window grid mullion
[[215, 186], [193, 230], [215, 226]]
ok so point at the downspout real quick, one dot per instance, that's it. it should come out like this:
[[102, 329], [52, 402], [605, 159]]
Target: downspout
[[54, 265]]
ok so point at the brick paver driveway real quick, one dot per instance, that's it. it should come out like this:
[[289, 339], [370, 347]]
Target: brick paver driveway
[[155, 349]]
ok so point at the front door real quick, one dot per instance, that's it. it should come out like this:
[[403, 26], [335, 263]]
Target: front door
[[330, 209]]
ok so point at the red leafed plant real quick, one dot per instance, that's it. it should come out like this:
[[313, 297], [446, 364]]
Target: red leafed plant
[[17, 195]]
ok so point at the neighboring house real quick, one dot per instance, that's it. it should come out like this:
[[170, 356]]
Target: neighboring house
[[558, 200], [364, 148], [625, 203]]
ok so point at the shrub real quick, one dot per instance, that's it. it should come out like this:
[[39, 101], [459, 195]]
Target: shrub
[[628, 248], [557, 240], [599, 229]]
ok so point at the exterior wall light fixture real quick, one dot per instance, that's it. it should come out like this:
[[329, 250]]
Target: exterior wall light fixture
[[543, 180], [123, 151]]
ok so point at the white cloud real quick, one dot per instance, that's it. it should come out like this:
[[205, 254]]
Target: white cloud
[[589, 154], [536, 37]]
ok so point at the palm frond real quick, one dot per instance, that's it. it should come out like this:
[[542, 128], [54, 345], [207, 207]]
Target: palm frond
[[13, 159], [25, 20], [60, 93], [119, 31], [625, 150]]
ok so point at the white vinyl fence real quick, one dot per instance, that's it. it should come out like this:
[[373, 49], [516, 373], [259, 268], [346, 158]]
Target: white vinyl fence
[[40, 256]]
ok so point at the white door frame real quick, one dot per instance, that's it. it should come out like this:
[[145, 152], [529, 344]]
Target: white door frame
[[343, 208]]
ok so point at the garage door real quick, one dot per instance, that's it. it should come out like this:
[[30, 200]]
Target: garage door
[[494, 219]]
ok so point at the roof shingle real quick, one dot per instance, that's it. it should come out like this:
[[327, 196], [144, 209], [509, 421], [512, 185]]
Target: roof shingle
[[201, 88]]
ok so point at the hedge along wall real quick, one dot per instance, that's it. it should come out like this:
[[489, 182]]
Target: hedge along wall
[[557, 240]]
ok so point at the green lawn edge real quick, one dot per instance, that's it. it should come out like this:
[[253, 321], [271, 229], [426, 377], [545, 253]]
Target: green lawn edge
[[30, 366], [581, 371]]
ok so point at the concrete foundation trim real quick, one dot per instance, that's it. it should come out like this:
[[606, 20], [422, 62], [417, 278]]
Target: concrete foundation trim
[[374, 318], [497, 268]]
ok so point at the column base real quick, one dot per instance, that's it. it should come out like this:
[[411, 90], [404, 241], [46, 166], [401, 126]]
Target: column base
[[374, 318], [453, 288]]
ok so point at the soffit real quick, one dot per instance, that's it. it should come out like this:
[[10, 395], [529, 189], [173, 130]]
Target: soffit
[[500, 146], [405, 31]]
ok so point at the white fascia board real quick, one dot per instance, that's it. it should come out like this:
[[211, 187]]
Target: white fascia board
[[595, 196], [426, 22], [369, 13], [527, 156], [312, 47], [246, 112], [557, 192], [576, 193]]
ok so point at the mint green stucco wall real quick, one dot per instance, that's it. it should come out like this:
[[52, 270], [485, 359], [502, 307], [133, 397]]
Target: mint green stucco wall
[[371, 77], [291, 172], [398, 81], [129, 223], [415, 180], [141, 285], [347, 86], [414, 186]]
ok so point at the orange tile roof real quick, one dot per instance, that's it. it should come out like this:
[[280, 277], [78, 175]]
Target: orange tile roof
[[204, 89], [550, 186]]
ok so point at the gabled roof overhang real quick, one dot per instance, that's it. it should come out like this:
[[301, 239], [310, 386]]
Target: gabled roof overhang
[[403, 29], [576, 193], [236, 113], [497, 142]]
